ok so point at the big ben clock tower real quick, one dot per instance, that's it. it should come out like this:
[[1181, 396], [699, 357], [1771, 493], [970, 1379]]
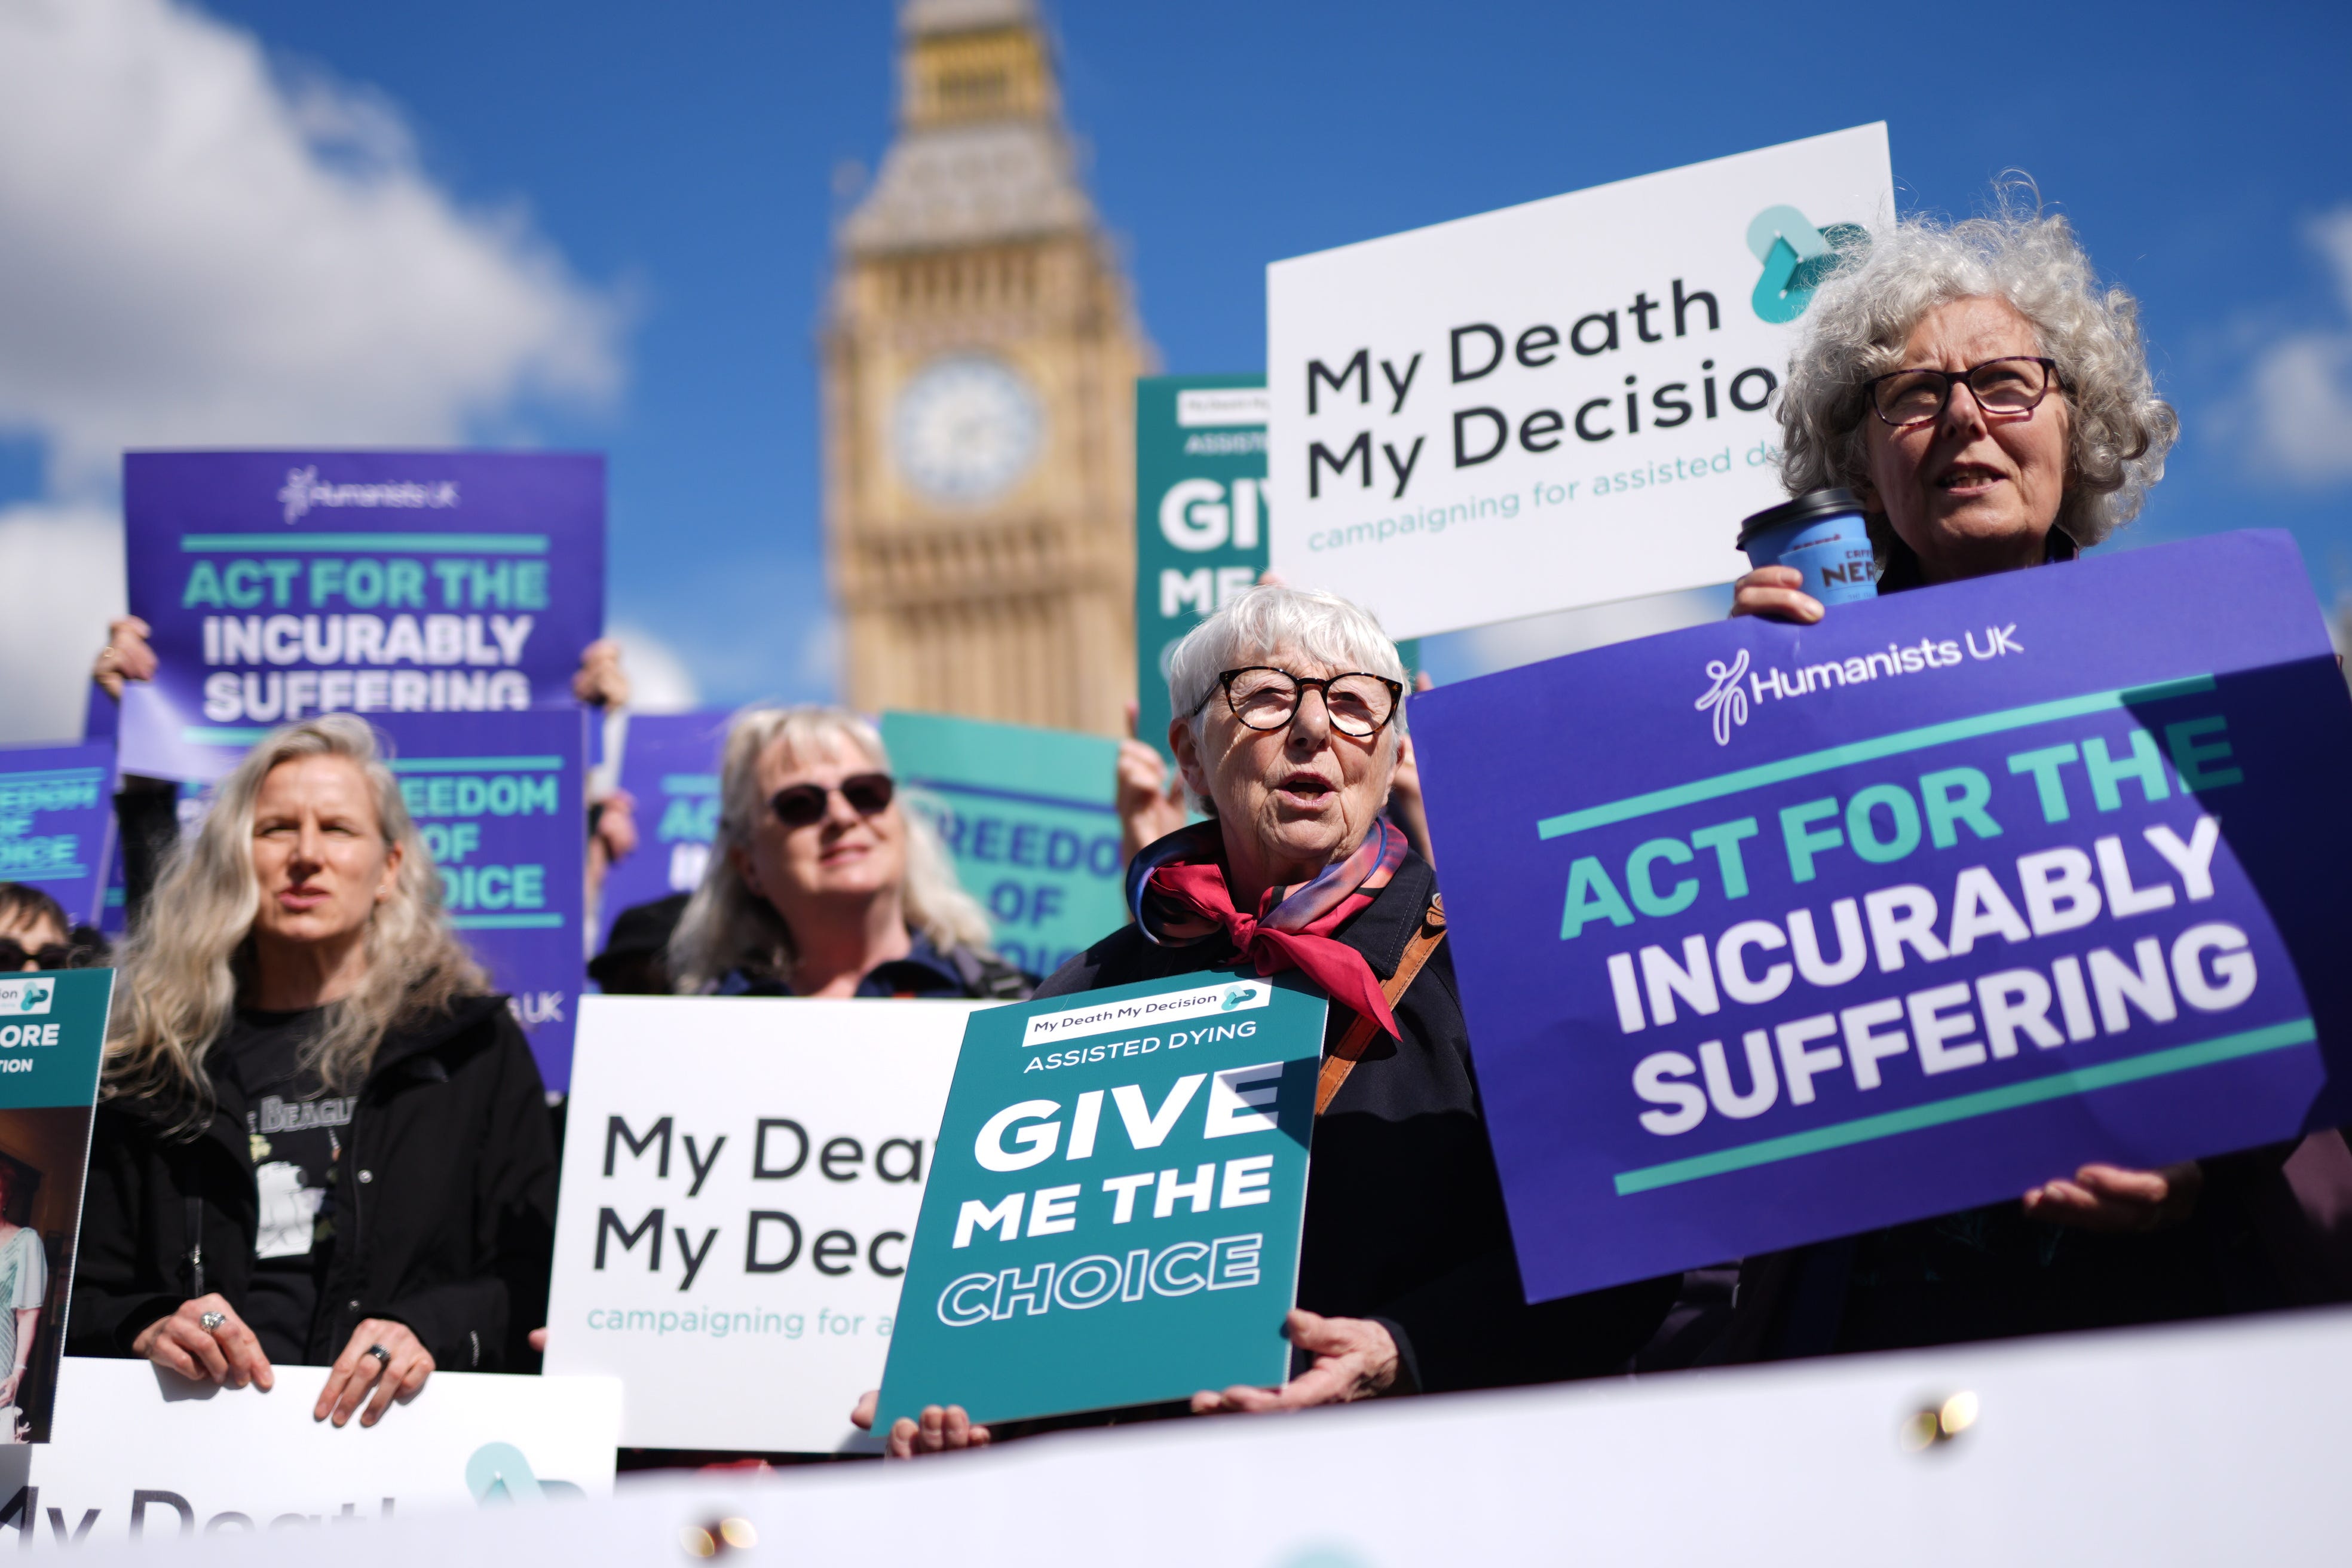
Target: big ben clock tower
[[981, 353]]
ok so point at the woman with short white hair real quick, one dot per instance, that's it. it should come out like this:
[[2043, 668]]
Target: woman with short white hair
[[820, 883], [1987, 400], [1289, 716], [321, 1140]]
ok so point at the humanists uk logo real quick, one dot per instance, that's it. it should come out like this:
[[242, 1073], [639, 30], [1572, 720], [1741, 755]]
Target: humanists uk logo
[[1726, 697], [1797, 258], [1732, 687], [303, 490]]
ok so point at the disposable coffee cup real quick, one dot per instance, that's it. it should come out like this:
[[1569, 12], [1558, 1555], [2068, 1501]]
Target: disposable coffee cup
[[1822, 535]]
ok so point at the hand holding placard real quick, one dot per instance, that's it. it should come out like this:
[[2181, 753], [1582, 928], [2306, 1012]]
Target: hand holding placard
[[1970, 886]]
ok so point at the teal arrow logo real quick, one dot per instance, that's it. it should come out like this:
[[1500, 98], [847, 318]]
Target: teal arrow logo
[[1797, 258]]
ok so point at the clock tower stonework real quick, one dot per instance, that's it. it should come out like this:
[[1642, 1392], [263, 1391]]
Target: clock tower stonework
[[981, 350]]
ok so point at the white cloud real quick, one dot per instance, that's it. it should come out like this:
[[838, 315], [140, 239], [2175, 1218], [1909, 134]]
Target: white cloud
[[2298, 409], [659, 680], [60, 579], [200, 253]]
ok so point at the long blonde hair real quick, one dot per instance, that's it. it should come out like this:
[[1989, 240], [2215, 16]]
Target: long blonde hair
[[728, 926], [183, 968]]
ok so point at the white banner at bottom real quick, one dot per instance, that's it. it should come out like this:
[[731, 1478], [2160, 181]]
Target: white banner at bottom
[[139, 1454]]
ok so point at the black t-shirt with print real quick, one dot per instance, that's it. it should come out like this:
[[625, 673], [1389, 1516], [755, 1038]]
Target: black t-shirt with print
[[297, 1133]]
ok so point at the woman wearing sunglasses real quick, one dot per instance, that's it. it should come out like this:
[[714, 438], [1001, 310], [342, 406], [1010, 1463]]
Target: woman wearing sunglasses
[[821, 883], [1989, 403], [32, 930]]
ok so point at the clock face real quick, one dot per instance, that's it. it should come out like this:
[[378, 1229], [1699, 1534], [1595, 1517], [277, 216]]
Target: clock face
[[966, 428]]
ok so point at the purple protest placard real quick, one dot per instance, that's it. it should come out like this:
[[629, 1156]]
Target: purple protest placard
[[278, 585], [498, 798], [1770, 933], [669, 766], [57, 822]]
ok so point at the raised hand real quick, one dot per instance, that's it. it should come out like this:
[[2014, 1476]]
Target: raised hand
[[1151, 794]]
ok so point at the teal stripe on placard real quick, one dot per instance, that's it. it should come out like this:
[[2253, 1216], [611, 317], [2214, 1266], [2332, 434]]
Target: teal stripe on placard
[[475, 764], [1893, 745], [364, 543], [213, 735], [689, 784], [77, 776], [551, 920], [2058, 1086], [64, 874]]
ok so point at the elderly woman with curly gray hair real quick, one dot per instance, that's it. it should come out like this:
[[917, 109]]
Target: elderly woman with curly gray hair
[[1989, 401]]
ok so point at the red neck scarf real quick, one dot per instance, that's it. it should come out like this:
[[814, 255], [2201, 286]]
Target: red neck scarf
[[1176, 890]]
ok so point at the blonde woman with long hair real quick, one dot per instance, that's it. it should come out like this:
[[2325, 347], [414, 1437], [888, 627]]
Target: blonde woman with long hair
[[320, 1140], [821, 883]]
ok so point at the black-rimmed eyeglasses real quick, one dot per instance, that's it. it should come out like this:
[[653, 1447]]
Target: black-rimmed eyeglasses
[[1265, 698], [800, 805], [2003, 388]]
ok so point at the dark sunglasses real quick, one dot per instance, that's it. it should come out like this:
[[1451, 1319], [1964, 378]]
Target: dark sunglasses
[[801, 805], [15, 955]]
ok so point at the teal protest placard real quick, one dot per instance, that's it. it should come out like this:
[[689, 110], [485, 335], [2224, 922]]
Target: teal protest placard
[[1199, 520], [1029, 816], [52, 1039], [1200, 516], [1115, 1201]]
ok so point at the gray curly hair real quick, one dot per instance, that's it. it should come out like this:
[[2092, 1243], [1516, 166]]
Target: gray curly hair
[[1866, 311]]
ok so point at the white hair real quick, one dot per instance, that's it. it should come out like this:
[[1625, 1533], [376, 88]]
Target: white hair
[[1251, 626], [2120, 430], [728, 926]]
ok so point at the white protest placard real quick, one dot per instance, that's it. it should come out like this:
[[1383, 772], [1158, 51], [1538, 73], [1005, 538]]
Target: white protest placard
[[740, 1178], [140, 1454], [2198, 1444], [1558, 403]]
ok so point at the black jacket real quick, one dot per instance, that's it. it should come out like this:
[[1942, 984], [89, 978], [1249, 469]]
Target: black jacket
[[1405, 1211], [444, 1205]]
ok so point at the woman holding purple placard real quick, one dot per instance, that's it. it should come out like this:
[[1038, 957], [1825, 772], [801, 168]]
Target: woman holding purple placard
[[1988, 401]]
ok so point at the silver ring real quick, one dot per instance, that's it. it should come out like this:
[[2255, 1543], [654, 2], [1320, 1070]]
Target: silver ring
[[383, 1356], [213, 1322]]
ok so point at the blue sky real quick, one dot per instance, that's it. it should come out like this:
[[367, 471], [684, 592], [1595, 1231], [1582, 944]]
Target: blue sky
[[685, 161]]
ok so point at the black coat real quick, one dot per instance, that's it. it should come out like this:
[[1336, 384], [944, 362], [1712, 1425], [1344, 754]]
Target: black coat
[[444, 1203], [1405, 1211]]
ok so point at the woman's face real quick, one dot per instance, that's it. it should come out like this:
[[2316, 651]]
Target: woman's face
[[1299, 797], [318, 851], [842, 854], [31, 931], [1968, 493]]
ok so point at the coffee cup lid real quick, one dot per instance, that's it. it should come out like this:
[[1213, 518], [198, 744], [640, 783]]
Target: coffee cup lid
[[1805, 507]]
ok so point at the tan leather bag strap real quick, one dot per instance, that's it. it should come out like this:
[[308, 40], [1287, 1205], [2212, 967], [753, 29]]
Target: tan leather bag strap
[[1359, 1037]]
